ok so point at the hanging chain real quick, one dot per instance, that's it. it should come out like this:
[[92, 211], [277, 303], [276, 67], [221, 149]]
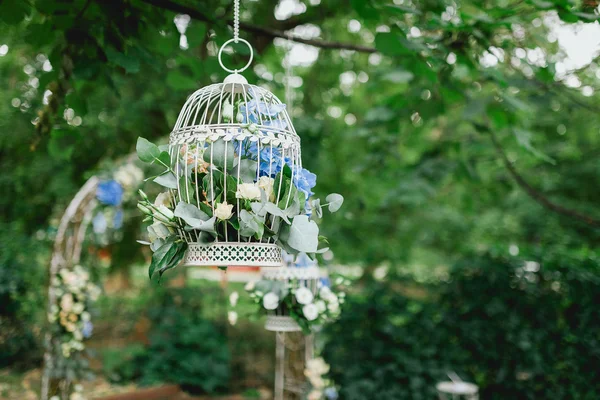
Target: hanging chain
[[236, 20], [289, 94]]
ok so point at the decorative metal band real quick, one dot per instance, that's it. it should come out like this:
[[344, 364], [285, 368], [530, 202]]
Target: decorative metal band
[[279, 323], [228, 132], [233, 255], [285, 273]]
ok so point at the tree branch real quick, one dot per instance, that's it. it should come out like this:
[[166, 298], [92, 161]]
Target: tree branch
[[259, 30], [532, 192]]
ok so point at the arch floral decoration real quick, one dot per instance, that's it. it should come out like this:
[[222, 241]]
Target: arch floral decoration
[[72, 290]]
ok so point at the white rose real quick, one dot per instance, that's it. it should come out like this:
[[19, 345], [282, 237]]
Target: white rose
[[248, 191], [310, 311], [321, 306], [250, 286], [163, 214], [233, 298], [270, 301], [325, 292], [85, 316], [304, 295], [266, 183], [163, 199], [232, 317], [158, 231], [223, 211]]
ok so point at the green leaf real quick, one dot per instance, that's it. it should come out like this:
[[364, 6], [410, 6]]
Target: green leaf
[[62, 143], [130, 63], [335, 201], [389, 43], [164, 158], [205, 226], [167, 180], [403, 9], [247, 170], [146, 150], [190, 213], [316, 207], [178, 81], [219, 153], [180, 249], [186, 189], [249, 224], [304, 234], [524, 139], [162, 256], [276, 211], [14, 11], [196, 33]]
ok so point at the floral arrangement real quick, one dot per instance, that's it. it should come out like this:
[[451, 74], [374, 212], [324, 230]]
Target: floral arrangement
[[70, 320], [307, 307], [111, 194], [321, 388], [232, 189]]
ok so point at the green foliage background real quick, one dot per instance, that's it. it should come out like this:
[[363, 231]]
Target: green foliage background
[[414, 130]]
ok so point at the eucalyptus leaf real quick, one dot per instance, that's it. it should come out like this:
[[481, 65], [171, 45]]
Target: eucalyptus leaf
[[220, 153], [167, 180], [316, 207], [146, 150], [164, 158], [276, 211], [191, 214], [249, 225], [335, 201], [247, 170], [304, 234]]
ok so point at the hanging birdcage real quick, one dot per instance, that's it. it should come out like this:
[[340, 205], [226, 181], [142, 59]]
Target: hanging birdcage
[[238, 193], [295, 274], [238, 135]]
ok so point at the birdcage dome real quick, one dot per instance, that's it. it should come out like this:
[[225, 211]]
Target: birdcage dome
[[229, 146]]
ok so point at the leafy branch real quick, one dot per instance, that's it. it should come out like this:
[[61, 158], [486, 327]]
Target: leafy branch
[[530, 190], [259, 30]]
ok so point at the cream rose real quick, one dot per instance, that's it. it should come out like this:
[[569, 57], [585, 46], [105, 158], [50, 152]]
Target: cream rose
[[266, 183], [304, 295], [270, 301], [248, 191], [163, 199], [223, 211], [310, 311]]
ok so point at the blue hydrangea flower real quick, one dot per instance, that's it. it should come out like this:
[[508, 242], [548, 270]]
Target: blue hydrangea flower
[[303, 261], [324, 282], [87, 329], [109, 193], [330, 393], [305, 181]]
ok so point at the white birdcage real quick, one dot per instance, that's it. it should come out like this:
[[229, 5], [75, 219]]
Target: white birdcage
[[296, 272], [234, 142]]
